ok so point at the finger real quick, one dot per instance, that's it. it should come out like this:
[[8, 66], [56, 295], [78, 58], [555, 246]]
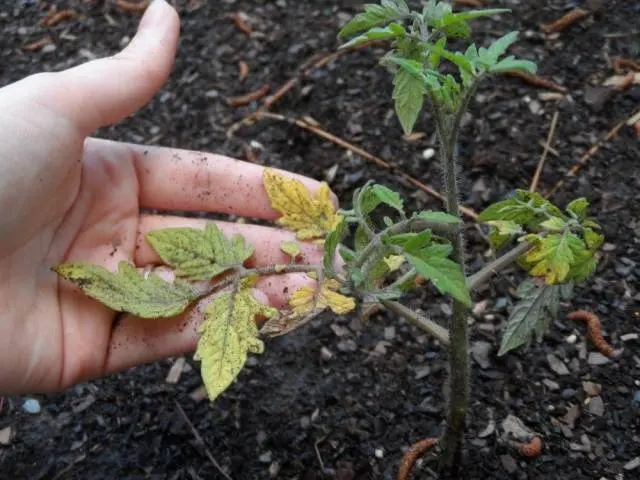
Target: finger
[[104, 91], [265, 240], [173, 179], [135, 341]]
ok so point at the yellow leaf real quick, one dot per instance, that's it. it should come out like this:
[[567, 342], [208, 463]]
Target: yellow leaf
[[307, 299], [228, 333], [291, 248], [310, 217], [394, 262]]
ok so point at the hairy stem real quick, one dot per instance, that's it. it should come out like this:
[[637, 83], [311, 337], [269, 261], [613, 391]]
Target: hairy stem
[[500, 263], [423, 323], [448, 128]]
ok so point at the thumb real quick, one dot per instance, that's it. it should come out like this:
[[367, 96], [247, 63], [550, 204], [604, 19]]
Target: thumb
[[106, 90]]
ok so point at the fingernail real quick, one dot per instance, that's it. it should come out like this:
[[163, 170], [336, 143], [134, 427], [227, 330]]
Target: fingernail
[[154, 14]]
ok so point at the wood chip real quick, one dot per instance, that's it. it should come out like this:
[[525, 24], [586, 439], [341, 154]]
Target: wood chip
[[134, 7], [38, 44], [565, 21], [175, 371]]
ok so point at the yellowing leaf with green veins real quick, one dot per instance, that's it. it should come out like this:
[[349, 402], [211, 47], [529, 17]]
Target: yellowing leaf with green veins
[[291, 248], [503, 231], [307, 299], [553, 256], [310, 217], [199, 254], [227, 335], [146, 296]]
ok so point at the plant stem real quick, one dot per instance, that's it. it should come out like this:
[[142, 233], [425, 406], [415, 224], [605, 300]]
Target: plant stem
[[429, 326], [448, 128], [500, 263]]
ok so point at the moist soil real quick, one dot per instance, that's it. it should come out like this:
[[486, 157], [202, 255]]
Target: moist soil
[[342, 398]]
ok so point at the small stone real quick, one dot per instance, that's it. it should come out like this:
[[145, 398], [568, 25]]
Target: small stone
[[596, 406], [389, 333], [347, 346], [48, 48], [423, 372], [274, 469], [266, 457], [568, 393], [629, 337], [428, 153], [573, 412], [571, 339], [500, 303], [379, 453], [632, 464], [326, 354], [551, 385], [305, 422], [480, 353], [31, 405], [6, 435], [509, 464], [557, 365], [608, 247], [339, 330], [596, 358], [592, 389]]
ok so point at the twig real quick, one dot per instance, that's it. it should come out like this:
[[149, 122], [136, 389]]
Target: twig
[[411, 456], [500, 263], [620, 63], [52, 18], [590, 153], [134, 7], [428, 326], [201, 441], [593, 331], [545, 152], [565, 21], [38, 44], [241, 23], [247, 98], [538, 81], [358, 151]]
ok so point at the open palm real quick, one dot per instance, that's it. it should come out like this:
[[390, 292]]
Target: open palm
[[66, 197]]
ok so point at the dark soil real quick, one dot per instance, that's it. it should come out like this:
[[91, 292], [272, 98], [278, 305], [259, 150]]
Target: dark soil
[[294, 413]]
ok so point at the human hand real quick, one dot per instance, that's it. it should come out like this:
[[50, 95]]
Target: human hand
[[67, 197]]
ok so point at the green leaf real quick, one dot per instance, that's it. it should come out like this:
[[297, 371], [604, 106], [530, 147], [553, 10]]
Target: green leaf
[[584, 266], [228, 333], [361, 240], [502, 232], [511, 64], [508, 210], [472, 14], [438, 217], [331, 244], [390, 32], [411, 242], [347, 254], [375, 15], [408, 94], [579, 208], [199, 254], [388, 197], [538, 306], [554, 224], [445, 274], [457, 58], [594, 240], [553, 256], [500, 46], [147, 296]]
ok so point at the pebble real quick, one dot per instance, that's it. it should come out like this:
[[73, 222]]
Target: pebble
[[428, 153], [347, 346], [596, 358], [379, 453], [632, 464], [629, 337], [592, 389], [557, 365], [568, 393], [596, 406], [326, 354], [389, 332], [266, 457], [551, 385], [31, 405], [480, 353], [509, 463], [5, 436]]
